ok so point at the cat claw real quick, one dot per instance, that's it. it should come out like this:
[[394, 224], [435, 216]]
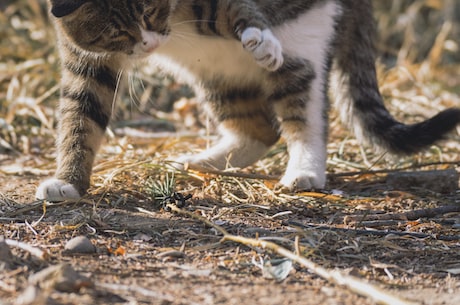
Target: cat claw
[[56, 190], [264, 46]]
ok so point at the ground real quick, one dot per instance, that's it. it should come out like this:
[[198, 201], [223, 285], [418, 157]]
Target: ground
[[373, 225]]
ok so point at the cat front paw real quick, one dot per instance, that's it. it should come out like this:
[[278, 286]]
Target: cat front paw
[[264, 46], [56, 190], [198, 162]]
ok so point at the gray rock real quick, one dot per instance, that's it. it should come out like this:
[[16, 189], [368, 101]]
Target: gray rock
[[79, 244]]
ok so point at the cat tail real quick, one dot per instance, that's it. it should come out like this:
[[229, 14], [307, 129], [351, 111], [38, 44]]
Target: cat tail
[[360, 104]]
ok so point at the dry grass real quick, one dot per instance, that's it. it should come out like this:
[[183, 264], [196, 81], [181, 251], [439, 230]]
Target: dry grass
[[120, 205]]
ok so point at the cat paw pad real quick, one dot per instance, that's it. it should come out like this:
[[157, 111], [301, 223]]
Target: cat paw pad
[[56, 190], [264, 46]]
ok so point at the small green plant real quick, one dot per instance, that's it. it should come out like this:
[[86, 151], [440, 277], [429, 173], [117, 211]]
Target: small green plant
[[163, 192]]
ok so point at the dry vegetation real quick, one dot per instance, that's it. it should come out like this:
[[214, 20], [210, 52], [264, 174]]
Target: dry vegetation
[[375, 227]]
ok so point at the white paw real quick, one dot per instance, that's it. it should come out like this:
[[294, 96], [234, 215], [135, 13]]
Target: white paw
[[56, 190], [199, 162], [299, 180], [232, 151], [264, 46]]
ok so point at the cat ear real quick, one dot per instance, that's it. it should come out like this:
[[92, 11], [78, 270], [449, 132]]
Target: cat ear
[[61, 8]]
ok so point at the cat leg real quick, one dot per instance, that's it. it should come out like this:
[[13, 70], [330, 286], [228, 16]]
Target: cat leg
[[77, 145], [85, 107], [247, 130], [264, 46], [78, 141], [300, 103]]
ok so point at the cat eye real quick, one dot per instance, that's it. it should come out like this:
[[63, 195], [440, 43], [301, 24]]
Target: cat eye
[[150, 13], [116, 33]]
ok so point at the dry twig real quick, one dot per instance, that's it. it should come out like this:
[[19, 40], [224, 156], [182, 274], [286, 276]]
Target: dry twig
[[411, 215], [228, 173], [374, 232], [387, 171], [333, 276]]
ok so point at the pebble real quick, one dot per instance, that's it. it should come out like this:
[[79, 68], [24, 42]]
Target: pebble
[[79, 244]]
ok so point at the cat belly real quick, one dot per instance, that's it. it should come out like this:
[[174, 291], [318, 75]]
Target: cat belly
[[201, 58]]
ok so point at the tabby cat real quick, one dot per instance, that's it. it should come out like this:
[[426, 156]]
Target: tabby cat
[[260, 67]]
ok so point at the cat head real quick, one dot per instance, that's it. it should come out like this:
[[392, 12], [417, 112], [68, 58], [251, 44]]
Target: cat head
[[132, 27]]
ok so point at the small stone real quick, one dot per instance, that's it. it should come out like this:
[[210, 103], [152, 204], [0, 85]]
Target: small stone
[[142, 237], [80, 244]]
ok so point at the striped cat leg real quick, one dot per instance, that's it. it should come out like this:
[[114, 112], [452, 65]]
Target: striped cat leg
[[247, 129], [78, 141], [300, 103], [85, 108]]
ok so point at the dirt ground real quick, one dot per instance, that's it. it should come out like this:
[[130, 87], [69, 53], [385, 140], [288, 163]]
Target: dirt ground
[[146, 254]]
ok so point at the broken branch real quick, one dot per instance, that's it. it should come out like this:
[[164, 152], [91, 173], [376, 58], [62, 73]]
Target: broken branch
[[333, 276]]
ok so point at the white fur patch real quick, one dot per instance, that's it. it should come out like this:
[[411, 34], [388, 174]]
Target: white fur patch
[[306, 168]]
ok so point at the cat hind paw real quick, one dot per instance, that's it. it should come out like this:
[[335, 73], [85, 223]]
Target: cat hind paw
[[56, 190], [264, 46], [301, 181]]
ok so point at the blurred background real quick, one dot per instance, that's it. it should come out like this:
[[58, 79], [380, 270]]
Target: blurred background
[[419, 60]]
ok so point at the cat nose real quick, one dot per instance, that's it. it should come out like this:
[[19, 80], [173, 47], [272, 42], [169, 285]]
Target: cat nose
[[149, 46]]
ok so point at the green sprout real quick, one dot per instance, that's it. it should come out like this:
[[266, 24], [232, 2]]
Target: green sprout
[[161, 190]]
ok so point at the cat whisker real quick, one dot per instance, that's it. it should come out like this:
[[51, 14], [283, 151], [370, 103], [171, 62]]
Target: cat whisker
[[117, 88], [134, 97]]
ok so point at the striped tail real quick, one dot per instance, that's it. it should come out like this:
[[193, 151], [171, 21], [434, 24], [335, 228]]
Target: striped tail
[[358, 100]]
